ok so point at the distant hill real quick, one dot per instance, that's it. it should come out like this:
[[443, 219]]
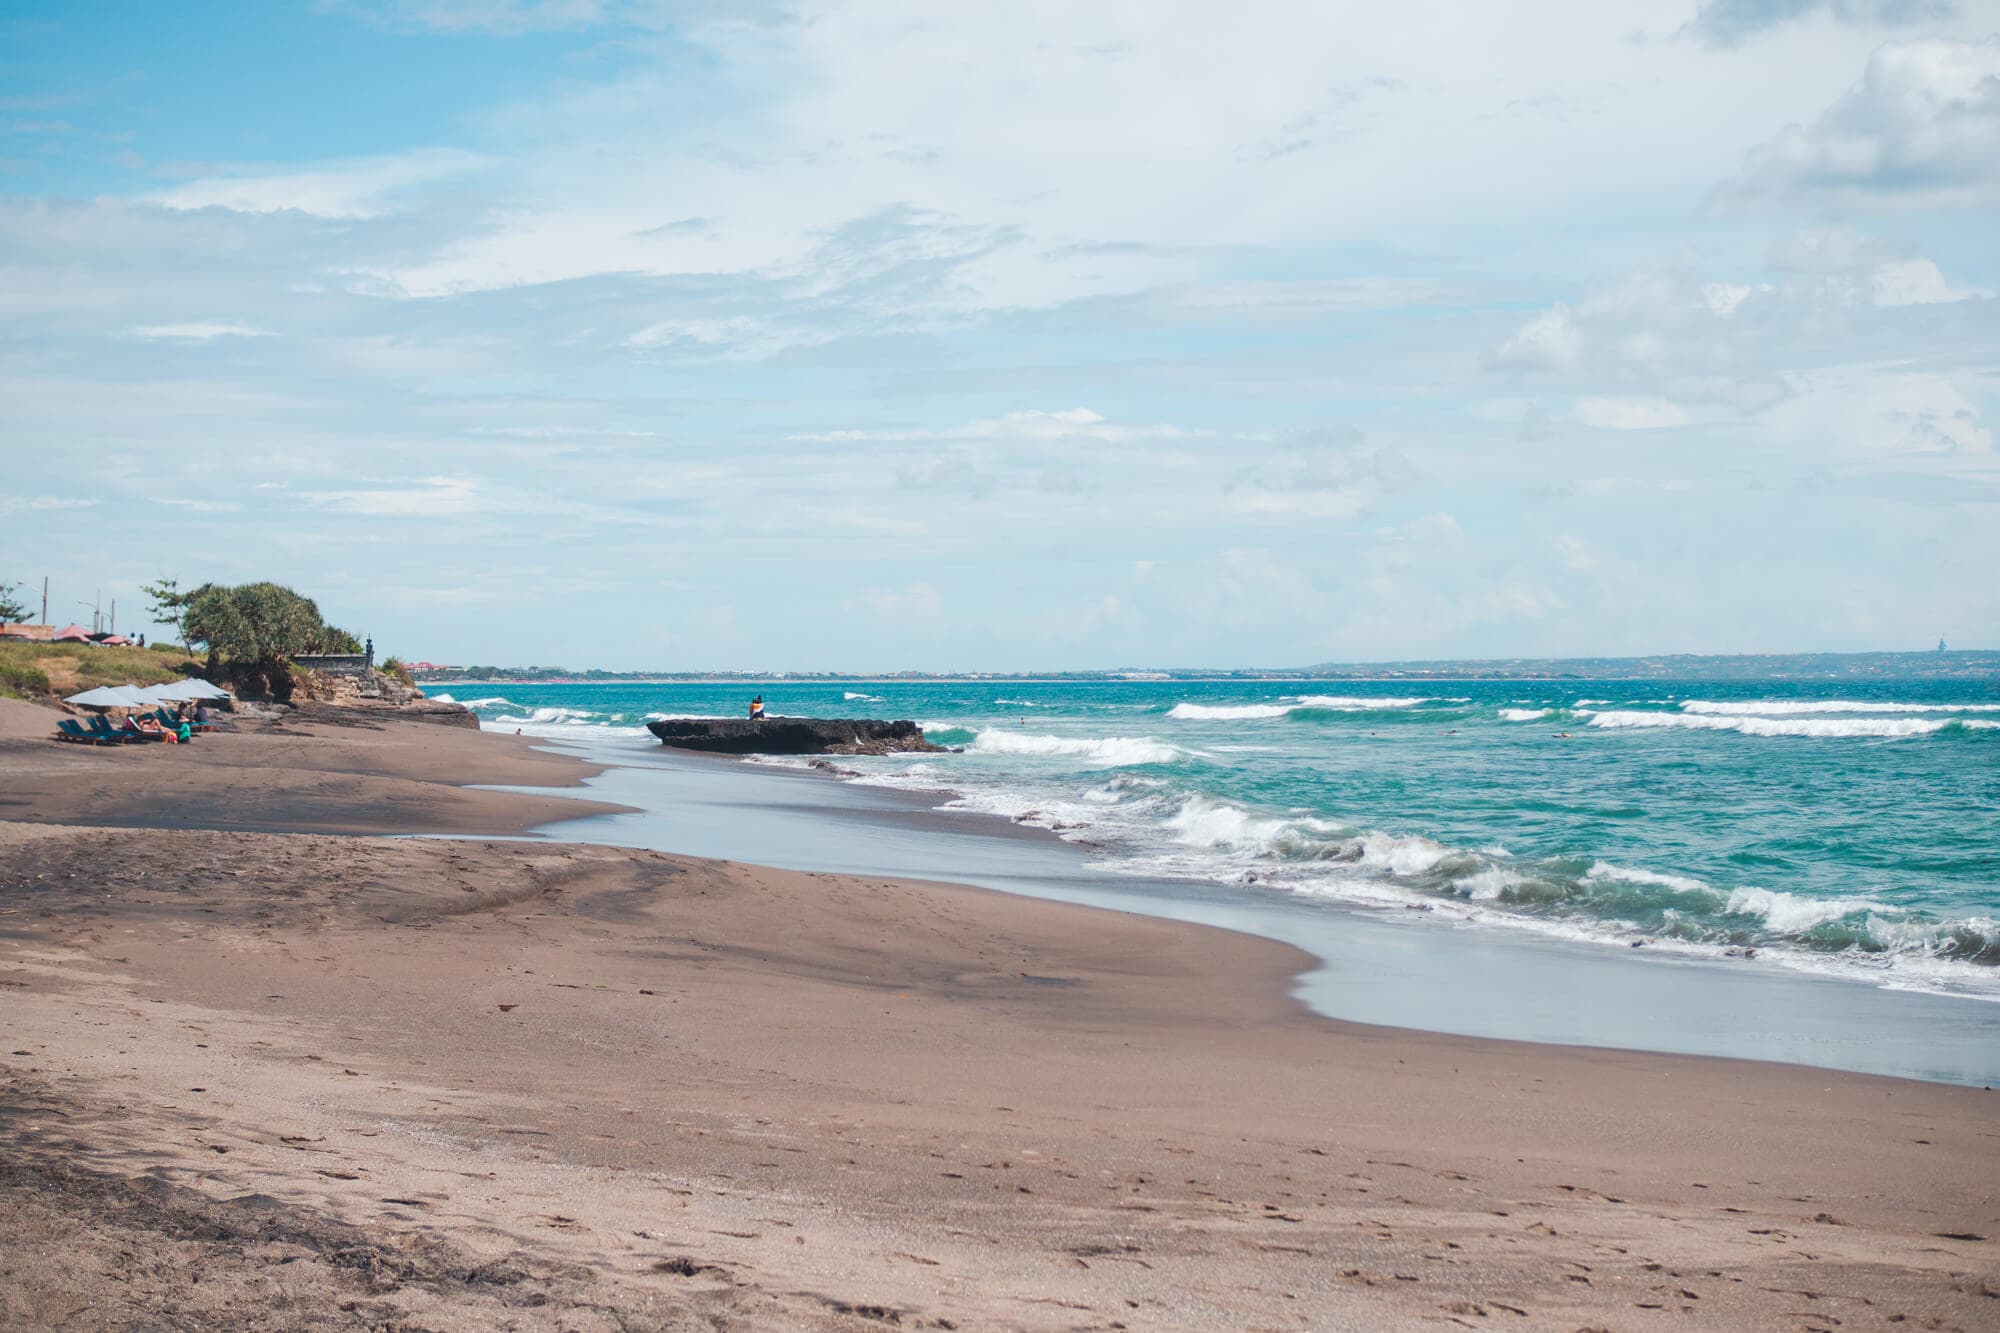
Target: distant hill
[[1978, 665], [1688, 666]]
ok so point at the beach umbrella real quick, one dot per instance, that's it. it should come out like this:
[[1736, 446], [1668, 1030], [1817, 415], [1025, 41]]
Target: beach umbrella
[[108, 696], [115, 641], [191, 688]]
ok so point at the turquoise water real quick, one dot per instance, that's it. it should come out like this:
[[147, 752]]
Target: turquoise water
[[1844, 829]]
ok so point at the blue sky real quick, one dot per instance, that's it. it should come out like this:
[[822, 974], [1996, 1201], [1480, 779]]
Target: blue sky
[[883, 335]]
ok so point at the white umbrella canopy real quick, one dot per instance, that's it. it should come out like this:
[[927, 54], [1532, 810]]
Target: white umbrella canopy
[[188, 689], [109, 696]]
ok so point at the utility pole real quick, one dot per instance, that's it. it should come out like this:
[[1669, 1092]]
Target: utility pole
[[45, 599], [114, 615]]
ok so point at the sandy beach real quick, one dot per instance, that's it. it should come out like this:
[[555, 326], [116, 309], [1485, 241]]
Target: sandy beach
[[267, 1066]]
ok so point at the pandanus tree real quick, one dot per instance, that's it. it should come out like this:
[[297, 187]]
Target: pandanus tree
[[256, 629]]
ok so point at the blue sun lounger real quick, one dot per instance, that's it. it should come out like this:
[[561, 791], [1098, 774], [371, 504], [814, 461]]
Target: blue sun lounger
[[68, 729]]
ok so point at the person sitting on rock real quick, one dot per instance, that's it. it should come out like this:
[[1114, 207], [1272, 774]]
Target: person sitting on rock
[[757, 709]]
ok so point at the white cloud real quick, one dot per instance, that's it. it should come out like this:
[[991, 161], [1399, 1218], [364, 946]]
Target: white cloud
[[197, 506], [505, 18], [1917, 282], [1033, 424], [743, 337], [1878, 413], [1547, 342], [1629, 413], [359, 188], [1729, 22], [1577, 554], [1329, 475], [198, 331], [1724, 297], [1922, 128], [434, 497], [920, 602], [42, 503]]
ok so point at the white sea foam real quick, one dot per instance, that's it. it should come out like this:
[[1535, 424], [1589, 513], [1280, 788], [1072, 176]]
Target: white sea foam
[[1489, 883], [1884, 727], [871, 698], [563, 723], [1401, 856], [1767, 707], [1095, 751], [1795, 913], [495, 701], [1289, 704], [1630, 875], [1228, 712], [579, 717], [1201, 822], [1526, 714]]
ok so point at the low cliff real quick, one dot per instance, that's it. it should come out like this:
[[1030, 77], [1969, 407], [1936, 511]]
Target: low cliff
[[375, 691], [790, 735]]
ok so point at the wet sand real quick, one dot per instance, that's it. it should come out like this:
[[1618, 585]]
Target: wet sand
[[257, 1075]]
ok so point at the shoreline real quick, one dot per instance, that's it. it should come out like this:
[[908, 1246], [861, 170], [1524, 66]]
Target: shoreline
[[1381, 967], [701, 1092]]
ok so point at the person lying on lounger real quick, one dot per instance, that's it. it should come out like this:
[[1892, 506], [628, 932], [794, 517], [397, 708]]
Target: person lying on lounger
[[147, 726]]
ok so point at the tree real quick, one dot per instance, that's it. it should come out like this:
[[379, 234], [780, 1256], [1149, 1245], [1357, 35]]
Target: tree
[[256, 629], [251, 622], [334, 639], [11, 610], [170, 605]]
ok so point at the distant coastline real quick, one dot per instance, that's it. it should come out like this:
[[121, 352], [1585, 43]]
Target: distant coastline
[[1975, 664]]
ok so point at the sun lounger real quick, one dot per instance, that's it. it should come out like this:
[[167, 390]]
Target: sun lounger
[[100, 727], [67, 729]]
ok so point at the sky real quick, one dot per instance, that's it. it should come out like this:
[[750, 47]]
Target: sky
[[883, 335]]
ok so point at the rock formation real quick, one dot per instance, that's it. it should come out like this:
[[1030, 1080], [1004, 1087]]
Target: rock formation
[[791, 735]]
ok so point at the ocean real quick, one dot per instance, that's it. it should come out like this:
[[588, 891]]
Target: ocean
[[1848, 830]]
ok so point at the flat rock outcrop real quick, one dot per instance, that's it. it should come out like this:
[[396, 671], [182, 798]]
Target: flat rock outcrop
[[790, 735]]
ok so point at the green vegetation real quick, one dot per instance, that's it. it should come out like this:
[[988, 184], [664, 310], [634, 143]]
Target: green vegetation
[[169, 605], [394, 667], [11, 610], [18, 680], [253, 630], [43, 670]]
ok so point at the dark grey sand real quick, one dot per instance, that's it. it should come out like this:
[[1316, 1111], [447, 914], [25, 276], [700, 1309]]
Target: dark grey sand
[[269, 1079]]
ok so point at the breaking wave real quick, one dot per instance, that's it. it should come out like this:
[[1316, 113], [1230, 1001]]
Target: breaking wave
[[1097, 752], [1750, 725], [1600, 900], [1765, 707], [1290, 704]]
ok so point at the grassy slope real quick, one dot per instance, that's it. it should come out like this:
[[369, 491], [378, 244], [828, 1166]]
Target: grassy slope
[[33, 670]]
